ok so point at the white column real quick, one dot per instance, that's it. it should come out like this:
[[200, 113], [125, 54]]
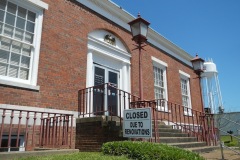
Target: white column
[[125, 77], [89, 78]]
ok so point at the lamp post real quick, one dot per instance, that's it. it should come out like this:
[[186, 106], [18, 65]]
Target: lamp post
[[139, 29], [198, 69]]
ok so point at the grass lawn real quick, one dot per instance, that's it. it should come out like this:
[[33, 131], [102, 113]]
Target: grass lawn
[[233, 143], [78, 156]]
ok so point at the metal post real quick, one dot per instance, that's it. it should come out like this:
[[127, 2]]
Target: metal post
[[140, 72], [199, 77], [219, 137]]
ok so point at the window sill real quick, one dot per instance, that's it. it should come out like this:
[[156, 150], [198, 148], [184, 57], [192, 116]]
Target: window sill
[[188, 114], [163, 109], [19, 85]]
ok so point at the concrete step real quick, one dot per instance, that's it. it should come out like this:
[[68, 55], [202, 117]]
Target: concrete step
[[171, 134], [188, 144], [177, 139], [169, 130], [163, 126], [204, 149]]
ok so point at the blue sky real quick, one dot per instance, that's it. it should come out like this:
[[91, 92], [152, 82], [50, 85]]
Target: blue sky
[[210, 28]]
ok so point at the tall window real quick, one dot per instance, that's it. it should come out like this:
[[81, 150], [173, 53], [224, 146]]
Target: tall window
[[185, 96], [18, 50], [159, 86], [160, 83], [185, 90]]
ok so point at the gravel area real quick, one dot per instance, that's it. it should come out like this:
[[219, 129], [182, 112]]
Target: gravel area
[[216, 155]]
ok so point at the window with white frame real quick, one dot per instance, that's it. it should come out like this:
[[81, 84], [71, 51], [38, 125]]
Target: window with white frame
[[20, 33], [159, 86], [185, 91], [160, 83]]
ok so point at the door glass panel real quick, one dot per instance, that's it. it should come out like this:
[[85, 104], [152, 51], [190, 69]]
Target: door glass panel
[[112, 78], [112, 93], [98, 91], [99, 76]]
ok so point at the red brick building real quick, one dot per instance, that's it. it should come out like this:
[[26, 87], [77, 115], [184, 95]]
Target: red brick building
[[49, 50]]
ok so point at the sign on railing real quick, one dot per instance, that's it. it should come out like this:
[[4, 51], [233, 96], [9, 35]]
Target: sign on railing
[[137, 123]]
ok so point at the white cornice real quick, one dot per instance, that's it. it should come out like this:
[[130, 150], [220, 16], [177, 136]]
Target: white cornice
[[121, 17]]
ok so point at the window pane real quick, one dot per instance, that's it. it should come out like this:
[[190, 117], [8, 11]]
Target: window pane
[[2, 15], [24, 73], [5, 44], [19, 34], [31, 16], [3, 69], [4, 56], [26, 50], [8, 30], [3, 4], [28, 37], [20, 23], [13, 71], [25, 62], [30, 27], [16, 47], [22, 12], [10, 19], [12, 8], [15, 58]]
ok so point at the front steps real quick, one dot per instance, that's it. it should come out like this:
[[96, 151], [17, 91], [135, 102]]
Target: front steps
[[175, 137], [92, 132]]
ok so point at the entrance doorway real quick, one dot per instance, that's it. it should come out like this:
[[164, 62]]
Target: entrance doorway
[[105, 100]]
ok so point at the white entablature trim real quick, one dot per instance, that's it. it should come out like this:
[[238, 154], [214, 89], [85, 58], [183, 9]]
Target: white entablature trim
[[108, 50], [121, 17]]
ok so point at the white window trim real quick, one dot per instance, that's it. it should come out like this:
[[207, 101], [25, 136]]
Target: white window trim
[[159, 62], [162, 65], [39, 3], [186, 76], [37, 7]]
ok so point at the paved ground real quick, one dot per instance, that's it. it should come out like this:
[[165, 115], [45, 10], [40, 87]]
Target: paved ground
[[216, 155]]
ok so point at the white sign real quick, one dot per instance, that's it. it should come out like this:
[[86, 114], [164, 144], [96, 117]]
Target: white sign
[[137, 123]]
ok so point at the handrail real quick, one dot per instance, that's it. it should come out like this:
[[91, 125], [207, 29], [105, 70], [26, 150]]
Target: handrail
[[35, 128], [107, 98], [104, 99]]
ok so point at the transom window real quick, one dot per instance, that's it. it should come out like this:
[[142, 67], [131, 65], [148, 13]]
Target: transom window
[[16, 42]]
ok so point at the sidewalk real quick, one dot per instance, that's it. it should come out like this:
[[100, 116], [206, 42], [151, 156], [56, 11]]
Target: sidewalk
[[216, 155]]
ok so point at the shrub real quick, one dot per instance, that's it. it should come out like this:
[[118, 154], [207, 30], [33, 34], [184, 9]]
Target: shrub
[[148, 151]]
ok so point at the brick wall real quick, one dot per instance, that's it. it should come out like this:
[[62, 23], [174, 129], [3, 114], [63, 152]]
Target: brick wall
[[91, 133], [63, 57]]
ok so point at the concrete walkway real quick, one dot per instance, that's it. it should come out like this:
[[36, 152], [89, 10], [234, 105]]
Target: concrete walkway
[[216, 155]]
